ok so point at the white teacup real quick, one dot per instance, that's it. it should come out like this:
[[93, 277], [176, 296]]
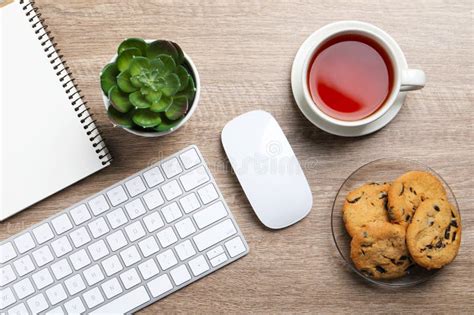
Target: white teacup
[[404, 79]]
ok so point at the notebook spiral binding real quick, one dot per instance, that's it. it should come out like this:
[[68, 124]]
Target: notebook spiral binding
[[66, 78]]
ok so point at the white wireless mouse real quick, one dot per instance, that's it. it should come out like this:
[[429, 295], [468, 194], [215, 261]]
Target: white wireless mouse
[[267, 169]]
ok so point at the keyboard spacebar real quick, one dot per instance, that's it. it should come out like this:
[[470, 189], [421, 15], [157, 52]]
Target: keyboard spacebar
[[125, 303]]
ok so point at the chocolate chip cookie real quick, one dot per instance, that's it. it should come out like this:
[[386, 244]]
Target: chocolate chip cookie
[[379, 250], [434, 235], [364, 205], [408, 191]]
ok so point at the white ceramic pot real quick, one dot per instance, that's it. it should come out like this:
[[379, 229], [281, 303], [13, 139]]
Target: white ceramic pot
[[194, 73]]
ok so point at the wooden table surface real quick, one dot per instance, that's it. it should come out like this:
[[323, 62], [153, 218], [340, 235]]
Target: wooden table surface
[[244, 52]]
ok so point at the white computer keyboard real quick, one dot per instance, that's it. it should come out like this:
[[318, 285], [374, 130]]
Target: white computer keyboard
[[124, 247]]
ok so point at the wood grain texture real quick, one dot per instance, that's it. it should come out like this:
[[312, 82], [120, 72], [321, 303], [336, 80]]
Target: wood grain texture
[[244, 51]]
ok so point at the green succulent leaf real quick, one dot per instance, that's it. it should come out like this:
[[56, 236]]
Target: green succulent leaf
[[146, 118], [151, 95], [108, 77], [172, 84], [121, 119], [180, 58], [190, 91], [119, 100], [158, 65], [124, 83], [162, 105], [138, 100], [138, 43], [126, 57], [178, 108], [138, 65], [135, 82], [169, 65], [161, 47], [183, 77], [167, 124]]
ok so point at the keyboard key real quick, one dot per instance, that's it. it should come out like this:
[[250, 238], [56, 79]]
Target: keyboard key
[[148, 246], [130, 255], [37, 303], [135, 186], [80, 237], [167, 237], [185, 250], [215, 252], [42, 278], [208, 194], [93, 275], [198, 265], [99, 204], [112, 265], [79, 259], [6, 298], [189, 203], [166, 259], [209, 215], [194, 178], [190, 158], [74, 284], [117, 218], [117, 195], [43, 233], [218, 260], [61, 224], [153, 221], [125, 303], [24, 243], [185, 227], [153, 177], [153, 199], [74, 306], [135, 231], [171, 190], [98, 250], [235, 246], [24, 265], [111, 288], [160, 285], [171, 167], [19, 309], [56, 294], [135, 208], [93, 298], [171, 212], [148, 269], [180, 275], [214, 235], [23, 288], [61, 246], [98, 227], [61, 269], [130, 278], [116, 240], [42, 256], [6, 275], [80, 214]]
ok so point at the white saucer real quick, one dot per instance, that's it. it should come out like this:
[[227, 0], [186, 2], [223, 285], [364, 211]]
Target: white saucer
[[297, 87]]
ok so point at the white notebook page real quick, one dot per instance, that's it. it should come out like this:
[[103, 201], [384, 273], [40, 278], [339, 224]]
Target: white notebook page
[[44, 146]]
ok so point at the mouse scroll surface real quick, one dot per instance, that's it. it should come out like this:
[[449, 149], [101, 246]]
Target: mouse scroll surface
[[267, 169]]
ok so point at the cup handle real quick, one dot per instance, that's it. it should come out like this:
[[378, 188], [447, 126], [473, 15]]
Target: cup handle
[[412, 79]]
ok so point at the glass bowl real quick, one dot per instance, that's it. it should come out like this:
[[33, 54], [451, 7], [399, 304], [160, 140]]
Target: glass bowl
[[383, 170]]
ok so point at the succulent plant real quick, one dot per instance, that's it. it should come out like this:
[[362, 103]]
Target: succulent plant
[[149, 85]]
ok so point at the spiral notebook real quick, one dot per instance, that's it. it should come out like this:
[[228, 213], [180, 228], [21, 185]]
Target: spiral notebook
[[48, 138]]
